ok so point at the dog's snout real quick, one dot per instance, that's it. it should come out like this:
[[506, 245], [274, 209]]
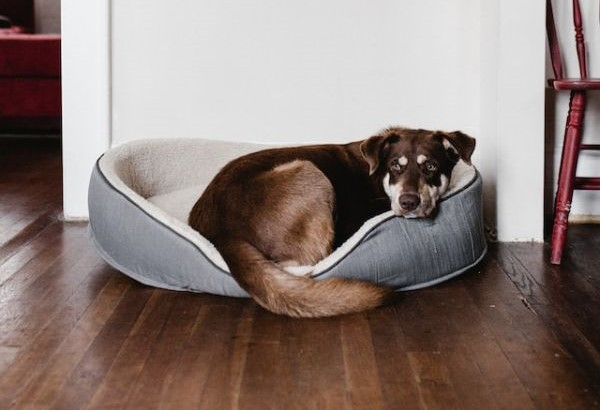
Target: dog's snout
[[409, 202]]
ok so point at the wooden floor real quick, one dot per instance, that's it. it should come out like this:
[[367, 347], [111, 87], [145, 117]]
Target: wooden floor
[[516, 333]]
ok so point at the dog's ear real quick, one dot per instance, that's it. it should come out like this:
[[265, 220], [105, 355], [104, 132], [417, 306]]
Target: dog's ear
[[458, 143], [372, 149]]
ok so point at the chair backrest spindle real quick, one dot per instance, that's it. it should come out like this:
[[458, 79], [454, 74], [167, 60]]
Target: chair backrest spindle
[[553, 42], [579, 40]]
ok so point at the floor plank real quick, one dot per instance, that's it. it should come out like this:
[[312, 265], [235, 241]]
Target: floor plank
[[362, 378], [398, 383], [41, 372]]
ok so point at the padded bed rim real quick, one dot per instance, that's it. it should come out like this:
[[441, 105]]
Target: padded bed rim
[[142, 279], [155, 219], [448, 276], [358, 242]]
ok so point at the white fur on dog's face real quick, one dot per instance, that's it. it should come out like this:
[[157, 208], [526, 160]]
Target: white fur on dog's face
[[430, 195], [393, 192]]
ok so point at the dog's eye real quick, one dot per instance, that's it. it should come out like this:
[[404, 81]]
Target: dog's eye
[[430, 166], [396, 166]]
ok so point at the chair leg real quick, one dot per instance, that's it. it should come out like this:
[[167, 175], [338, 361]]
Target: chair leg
[[566, 176]]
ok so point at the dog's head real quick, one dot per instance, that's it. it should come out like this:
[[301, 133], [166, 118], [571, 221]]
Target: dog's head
[[415, 166]]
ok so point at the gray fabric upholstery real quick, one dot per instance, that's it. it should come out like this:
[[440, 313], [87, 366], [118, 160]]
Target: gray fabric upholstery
[[134, 233]]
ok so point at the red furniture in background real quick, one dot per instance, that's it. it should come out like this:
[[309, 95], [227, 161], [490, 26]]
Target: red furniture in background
[[30, 88], [578, 87]]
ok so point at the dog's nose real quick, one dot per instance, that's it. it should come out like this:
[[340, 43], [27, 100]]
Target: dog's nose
[[409, 202]]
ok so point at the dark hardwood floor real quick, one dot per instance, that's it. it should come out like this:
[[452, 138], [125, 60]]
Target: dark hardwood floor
[[517, 333]]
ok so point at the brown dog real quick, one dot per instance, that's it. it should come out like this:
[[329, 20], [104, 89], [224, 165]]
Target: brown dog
[[292, 206]]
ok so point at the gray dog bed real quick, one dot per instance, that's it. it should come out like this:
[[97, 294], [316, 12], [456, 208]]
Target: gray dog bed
[[140, 195]]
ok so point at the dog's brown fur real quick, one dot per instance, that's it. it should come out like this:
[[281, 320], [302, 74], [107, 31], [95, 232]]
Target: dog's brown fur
[[291, 206]]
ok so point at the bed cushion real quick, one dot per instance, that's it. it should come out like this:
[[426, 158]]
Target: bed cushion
[[140, 194]]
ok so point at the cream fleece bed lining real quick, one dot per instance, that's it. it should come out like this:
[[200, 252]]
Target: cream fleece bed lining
[[141, 192]]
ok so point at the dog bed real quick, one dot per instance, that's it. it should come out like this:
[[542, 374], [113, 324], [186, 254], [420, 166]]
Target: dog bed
[[140, 194]]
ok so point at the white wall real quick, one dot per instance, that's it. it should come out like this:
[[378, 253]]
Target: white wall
[[586, 204], [337, 71], [85, 97], [292, 71], [520, 119]]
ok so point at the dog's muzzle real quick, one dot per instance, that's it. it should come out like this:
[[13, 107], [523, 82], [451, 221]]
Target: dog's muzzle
[[414, 205]]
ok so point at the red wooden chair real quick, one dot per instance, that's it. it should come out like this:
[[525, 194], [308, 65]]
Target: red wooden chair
[[572, 145]]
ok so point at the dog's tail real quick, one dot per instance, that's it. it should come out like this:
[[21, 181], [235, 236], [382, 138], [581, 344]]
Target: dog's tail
[[298, 296]]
